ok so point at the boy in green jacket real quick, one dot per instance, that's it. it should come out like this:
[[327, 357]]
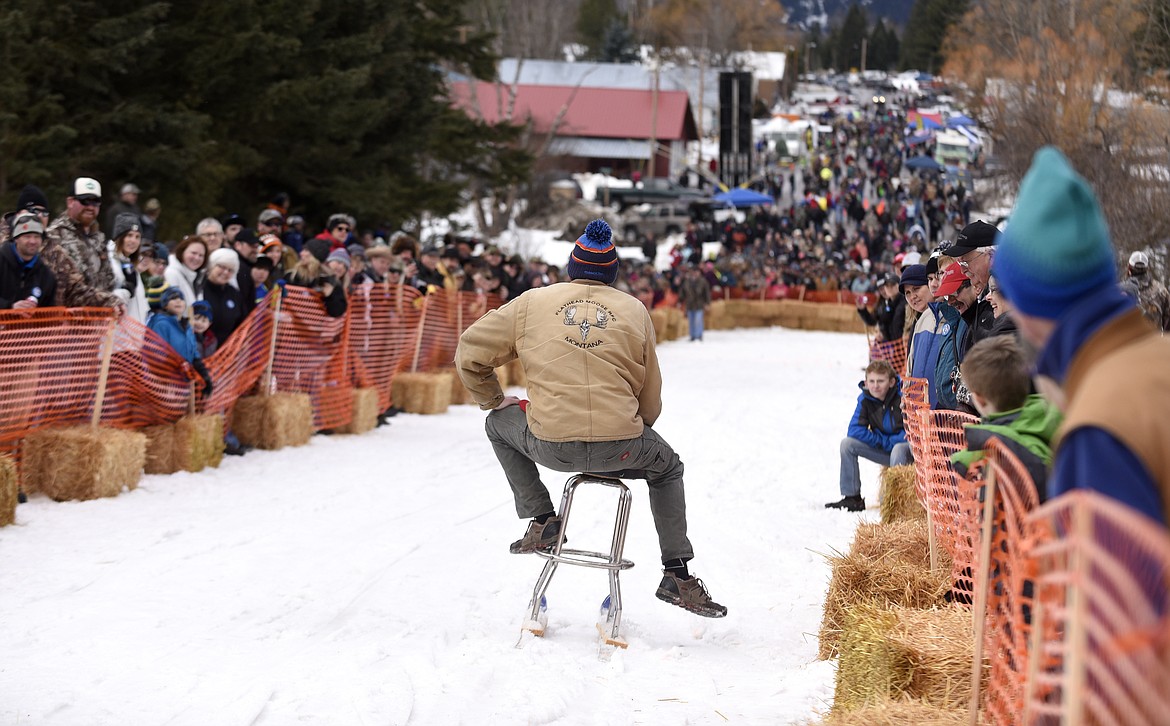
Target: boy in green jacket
[[997, 376]]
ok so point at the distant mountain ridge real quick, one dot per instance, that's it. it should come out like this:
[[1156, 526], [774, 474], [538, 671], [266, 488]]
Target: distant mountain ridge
[[806, 12]]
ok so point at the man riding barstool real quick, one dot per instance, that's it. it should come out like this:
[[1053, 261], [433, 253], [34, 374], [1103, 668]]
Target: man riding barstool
[[594, 386]]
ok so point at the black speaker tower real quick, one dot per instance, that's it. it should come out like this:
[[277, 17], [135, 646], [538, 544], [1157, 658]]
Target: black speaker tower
[[735, 127]]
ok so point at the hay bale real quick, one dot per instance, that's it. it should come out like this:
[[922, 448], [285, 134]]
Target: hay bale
[[160, 449], [863, 672], [660, 318], [273, 422], [8, 487], [199, 442], [365, 411], [514, 373], [930, 654], [899, 499], [886, 653], [676, 327], [459, 393], [425, 393], [898, 712], [83, 462], [888, 564]]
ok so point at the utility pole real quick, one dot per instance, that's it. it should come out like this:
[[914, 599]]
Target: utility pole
[[653, 122]]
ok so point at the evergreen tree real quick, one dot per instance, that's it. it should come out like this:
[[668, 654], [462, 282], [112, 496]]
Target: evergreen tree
[[883, 47], [849, 38], [928, 24], [618, 44], [216, 106], [593, 22]]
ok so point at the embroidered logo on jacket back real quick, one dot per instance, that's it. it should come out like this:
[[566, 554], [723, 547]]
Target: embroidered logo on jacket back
[[577, 313]]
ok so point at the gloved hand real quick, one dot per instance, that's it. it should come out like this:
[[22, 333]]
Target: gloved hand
[[201, 368]]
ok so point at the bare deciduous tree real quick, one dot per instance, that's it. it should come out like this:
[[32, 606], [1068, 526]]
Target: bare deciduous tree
[[1055, 72]]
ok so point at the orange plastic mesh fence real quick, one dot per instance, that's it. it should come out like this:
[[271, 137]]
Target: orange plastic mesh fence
[[915, 409], [241, 360], [445, 316], [1010, 581], [383, 325], [1103, 610], [149, 383], [893, 351], [312, 356], [914, 403], [953, 531], [50, 361]]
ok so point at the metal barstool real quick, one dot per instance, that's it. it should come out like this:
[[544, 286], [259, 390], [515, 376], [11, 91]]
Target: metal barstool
[[611, 561]]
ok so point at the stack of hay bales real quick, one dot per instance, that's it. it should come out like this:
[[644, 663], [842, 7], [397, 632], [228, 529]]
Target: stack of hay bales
[[718, 317], [275, 421], [83, 462], [899, 498], [8, 489], [888, 564], [904, 652], [838, 318], [425, 393], [365, 412]]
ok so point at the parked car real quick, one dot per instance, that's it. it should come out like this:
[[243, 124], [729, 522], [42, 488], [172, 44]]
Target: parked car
[[651, 191], [667, 219]]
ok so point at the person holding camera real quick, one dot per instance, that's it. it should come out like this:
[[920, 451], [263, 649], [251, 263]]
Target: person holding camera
[[310, 273], [889, 314]]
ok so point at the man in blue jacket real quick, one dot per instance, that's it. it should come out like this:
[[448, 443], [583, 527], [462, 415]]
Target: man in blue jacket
[[875, 432]]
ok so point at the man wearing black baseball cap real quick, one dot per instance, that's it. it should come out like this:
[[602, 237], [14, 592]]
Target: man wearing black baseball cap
[[974, 248]]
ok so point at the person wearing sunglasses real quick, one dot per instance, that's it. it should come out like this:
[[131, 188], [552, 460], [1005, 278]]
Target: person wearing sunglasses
[[75, 250], [974, 248]]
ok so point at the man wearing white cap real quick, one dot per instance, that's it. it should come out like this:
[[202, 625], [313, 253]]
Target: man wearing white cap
[[1152, 296], [75, 250]]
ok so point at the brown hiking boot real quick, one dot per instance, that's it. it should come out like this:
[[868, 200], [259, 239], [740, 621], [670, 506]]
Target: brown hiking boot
[[538, 537], [689, 595]]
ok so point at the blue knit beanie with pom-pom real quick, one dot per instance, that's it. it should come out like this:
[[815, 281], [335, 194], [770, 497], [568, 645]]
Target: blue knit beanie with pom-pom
[[594, 257]]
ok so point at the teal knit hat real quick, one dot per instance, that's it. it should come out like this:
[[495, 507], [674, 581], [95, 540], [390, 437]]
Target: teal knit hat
[[1055, 249]]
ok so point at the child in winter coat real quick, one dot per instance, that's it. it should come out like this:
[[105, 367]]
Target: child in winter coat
[[875, 432], [205, 340], [998, 378], [171, 325]]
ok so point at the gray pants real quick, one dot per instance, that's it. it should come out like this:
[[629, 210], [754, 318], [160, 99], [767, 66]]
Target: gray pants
[[647, 457]]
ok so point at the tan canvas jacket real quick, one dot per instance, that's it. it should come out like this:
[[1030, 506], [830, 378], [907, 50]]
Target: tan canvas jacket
[[587, 351]]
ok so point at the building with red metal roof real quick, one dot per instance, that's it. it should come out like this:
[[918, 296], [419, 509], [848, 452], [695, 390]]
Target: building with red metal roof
[[592, 127]]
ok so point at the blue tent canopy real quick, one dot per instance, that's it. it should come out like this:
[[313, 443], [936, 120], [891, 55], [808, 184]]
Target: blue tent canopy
[[960, 120], [923, 162], [915, 140], [740, 197]]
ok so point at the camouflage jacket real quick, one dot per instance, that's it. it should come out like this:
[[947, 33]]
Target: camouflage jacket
[[1153, 299], [73, 288], [87, 249]]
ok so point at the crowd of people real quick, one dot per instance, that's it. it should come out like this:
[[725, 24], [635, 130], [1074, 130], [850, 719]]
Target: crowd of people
[[985, 312], [852, 225]]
